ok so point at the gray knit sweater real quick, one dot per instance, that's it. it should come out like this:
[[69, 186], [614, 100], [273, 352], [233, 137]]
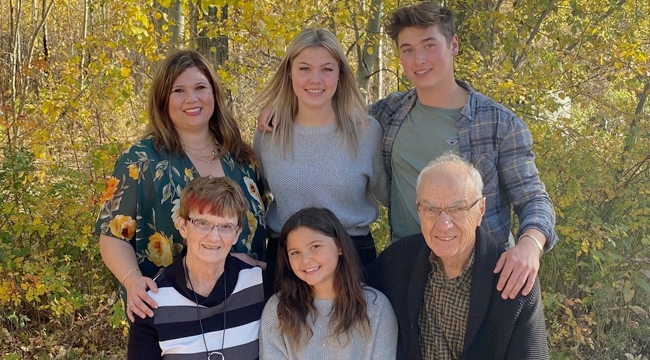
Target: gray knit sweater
[[379, 344], [321, 172]]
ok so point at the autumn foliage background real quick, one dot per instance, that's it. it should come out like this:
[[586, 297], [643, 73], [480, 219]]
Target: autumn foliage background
[[74, 76]]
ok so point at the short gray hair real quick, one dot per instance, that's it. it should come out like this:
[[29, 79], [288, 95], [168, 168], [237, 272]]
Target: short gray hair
[[447, 158]]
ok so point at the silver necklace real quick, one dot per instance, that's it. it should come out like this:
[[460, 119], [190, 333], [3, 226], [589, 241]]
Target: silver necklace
[[217, 354], [205, 158]]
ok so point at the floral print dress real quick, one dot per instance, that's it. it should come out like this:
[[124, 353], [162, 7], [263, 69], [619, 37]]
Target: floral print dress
[[141, 201]]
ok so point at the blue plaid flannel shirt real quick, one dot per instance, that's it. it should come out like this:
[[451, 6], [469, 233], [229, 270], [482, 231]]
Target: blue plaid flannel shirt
[[499, 145]]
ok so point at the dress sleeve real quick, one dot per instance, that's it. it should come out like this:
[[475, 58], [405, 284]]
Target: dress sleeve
[[272, 345], [119, 200], [143, 341]]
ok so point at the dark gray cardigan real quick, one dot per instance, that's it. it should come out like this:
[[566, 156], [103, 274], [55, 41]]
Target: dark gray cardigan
[[496, 328]]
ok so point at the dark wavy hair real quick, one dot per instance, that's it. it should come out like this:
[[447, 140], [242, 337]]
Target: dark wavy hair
[[222, 123], [296, 298], [421, 15]]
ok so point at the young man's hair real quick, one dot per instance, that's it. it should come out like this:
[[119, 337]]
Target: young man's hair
[[222, 123], [348, 102], [218, 196], [296, 297], [422, 15]]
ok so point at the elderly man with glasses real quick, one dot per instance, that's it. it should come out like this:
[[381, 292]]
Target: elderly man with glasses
[[441, 284]]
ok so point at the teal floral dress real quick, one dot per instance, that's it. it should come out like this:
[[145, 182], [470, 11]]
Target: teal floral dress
[[141, 201]]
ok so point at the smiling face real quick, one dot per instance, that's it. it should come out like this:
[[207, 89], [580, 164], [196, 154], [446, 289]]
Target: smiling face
[[210, 248], [191, 101], [427, 58], [452, 240], [314, 258], [314, 78]]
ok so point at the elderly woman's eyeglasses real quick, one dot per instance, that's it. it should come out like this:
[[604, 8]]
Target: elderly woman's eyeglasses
[[454, 212], [206, 227]]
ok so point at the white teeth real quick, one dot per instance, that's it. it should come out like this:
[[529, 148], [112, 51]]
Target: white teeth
[[315, 91], [312, 269], [420, 72], [446, 238], [192, 111]]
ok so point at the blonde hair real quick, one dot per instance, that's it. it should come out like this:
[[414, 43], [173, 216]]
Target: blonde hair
[[348, 103], [222, 123]]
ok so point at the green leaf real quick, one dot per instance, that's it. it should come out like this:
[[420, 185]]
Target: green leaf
[[643, 284]]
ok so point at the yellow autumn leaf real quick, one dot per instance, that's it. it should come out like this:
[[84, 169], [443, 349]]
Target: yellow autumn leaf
[[370, 50]]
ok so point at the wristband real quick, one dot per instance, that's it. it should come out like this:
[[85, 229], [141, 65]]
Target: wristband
[[136, 269], [537, 242]]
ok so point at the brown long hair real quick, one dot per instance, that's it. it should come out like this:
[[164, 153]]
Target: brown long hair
[[222, 123], [296, 298]]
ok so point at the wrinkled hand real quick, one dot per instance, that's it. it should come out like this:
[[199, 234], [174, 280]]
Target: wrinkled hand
[[518, 267], [137, 298], [265, 121], [249, 260]]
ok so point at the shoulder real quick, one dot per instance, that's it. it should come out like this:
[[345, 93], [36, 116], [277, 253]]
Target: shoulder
[[375, 298], [483, 104], [392, 101], [270, 312]]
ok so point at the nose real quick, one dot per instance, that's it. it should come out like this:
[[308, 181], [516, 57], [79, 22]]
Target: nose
[[306, 257], [444, 221], [420, 56], [191, 96], [316, 77]]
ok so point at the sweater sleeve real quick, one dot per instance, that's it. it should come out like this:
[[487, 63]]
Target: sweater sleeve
[[378, 183], [143, 341], [385, 346], [529, 334], [272, 346]]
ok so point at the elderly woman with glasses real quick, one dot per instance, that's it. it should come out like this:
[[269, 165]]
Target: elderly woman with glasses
[[209, 302]]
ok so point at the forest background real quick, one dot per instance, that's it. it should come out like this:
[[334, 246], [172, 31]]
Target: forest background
[[74, 75]]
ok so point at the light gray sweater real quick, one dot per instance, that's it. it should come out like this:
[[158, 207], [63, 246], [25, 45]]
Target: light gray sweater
[[380, 343], [321, 172]]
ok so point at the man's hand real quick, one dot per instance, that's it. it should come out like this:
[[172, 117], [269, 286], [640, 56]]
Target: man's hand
[[265, 121], [137, 298], [518, 267]]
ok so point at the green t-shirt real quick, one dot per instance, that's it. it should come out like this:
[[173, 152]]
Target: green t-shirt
[[427, 132]]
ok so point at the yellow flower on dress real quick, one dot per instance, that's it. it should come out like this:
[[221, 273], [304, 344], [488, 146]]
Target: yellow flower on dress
[[252, 226], [188, 173], [252, 189], [111, 186], [122, 227], [159, 174], [134, 171], [159, 249]]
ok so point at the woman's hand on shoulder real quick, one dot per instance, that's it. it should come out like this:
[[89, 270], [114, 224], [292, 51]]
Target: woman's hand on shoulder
[[138, 302], [249, 260]]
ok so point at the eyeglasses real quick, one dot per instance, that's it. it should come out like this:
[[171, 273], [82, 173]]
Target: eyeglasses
[[455, 212], [206, 227]]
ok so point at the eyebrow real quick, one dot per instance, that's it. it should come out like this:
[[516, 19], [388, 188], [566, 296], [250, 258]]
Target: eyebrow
[[431, 38], [310, 243], [454, 204], [326, 64], [200, 82]]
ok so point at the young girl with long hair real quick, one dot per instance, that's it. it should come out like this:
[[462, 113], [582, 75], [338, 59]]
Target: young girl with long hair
[[323, 150], [321, 309]]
